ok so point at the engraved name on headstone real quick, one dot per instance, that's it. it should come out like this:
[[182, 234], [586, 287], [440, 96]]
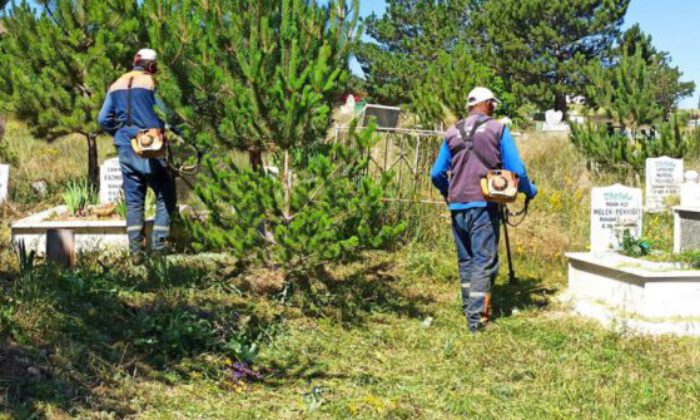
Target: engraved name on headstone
[[664, 177], [612, 207], [110, 181]]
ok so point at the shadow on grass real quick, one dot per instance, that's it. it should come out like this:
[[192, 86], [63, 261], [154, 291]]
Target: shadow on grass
[[525, 293], [71, 337], [352, 297], [74, 339]]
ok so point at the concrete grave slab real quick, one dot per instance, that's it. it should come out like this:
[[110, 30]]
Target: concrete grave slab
[[642, 296]]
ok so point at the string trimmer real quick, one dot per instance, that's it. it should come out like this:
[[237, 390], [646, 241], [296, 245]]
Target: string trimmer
[[506, 216]]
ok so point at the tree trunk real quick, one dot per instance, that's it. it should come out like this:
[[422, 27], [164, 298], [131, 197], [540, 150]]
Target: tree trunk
[[287, 186], [561, 105], [60, 247], [255, 159], [93, 164], [2, 127]]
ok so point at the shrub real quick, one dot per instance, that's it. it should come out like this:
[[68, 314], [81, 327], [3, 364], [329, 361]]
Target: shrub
[[613, 150], [335, 211]]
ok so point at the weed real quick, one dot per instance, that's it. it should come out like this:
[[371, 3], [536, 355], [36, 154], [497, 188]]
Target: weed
[[78, 195]]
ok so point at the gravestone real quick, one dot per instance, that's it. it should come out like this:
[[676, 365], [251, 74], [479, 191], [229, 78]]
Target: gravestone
[[4, 182], [690, 191], [553, 121], [110, 181], [686, 229], [664, 177], [349, 107], [60, 247], [611, 208]]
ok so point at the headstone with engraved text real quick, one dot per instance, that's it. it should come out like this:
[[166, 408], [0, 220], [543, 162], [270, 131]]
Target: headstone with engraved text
[[611, 207], [110, 181], [664, 177]]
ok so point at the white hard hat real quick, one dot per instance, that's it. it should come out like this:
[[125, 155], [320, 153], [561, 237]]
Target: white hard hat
[[479, 95], [147, 54]]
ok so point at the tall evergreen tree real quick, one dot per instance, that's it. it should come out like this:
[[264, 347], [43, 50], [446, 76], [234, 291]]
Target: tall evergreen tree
[[253, 76], [542, 46], [3, 120], [262, 77], [57, 61], [668, 88], [443, 94], [405, 41], [625, 91]]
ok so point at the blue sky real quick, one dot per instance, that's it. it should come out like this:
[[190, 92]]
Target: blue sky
[[674, 25]]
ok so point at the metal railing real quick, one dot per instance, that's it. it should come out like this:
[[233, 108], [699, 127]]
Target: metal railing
[[407, 153]]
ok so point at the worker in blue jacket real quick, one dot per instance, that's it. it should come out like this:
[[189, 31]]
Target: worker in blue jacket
[[457, 173], [127, 110]]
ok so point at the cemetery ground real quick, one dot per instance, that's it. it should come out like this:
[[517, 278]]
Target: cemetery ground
[[386, 339]]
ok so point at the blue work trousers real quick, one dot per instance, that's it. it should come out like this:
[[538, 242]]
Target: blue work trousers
[[139, 174], [476, 233]]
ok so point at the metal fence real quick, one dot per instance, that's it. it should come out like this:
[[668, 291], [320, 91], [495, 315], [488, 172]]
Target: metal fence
[[408, 154]]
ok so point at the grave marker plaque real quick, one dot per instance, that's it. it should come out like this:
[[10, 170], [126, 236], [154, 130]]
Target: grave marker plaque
[[554, 121], [4, 182], [110, 181], [611, 207], [664, 177]]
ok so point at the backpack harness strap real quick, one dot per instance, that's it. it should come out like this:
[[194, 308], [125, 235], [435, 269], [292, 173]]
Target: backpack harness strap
[[128, 103], [467, 143]]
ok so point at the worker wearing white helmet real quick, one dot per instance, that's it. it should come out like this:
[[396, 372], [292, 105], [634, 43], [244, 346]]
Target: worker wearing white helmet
[[474, 146], [129, 115]]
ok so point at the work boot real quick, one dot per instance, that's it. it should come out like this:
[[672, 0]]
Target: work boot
[[138, 258], [479, 326]]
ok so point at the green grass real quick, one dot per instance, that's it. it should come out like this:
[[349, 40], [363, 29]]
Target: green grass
[[386, 339], [115, 340]]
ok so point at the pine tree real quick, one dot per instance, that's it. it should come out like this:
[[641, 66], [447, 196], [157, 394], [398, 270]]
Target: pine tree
[[542, 46], [58, 60], [669, 90], [195, 76], [3, 111], [261, 77], [626, 91], [254, 76], [442, 97], [336, 210], [405, 41]]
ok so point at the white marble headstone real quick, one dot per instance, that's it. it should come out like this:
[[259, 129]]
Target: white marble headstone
[[349, 107], [553, 117], [4, 182], [110, 181], [553, 121], [664, 177], [610, 206], [690, 191]]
